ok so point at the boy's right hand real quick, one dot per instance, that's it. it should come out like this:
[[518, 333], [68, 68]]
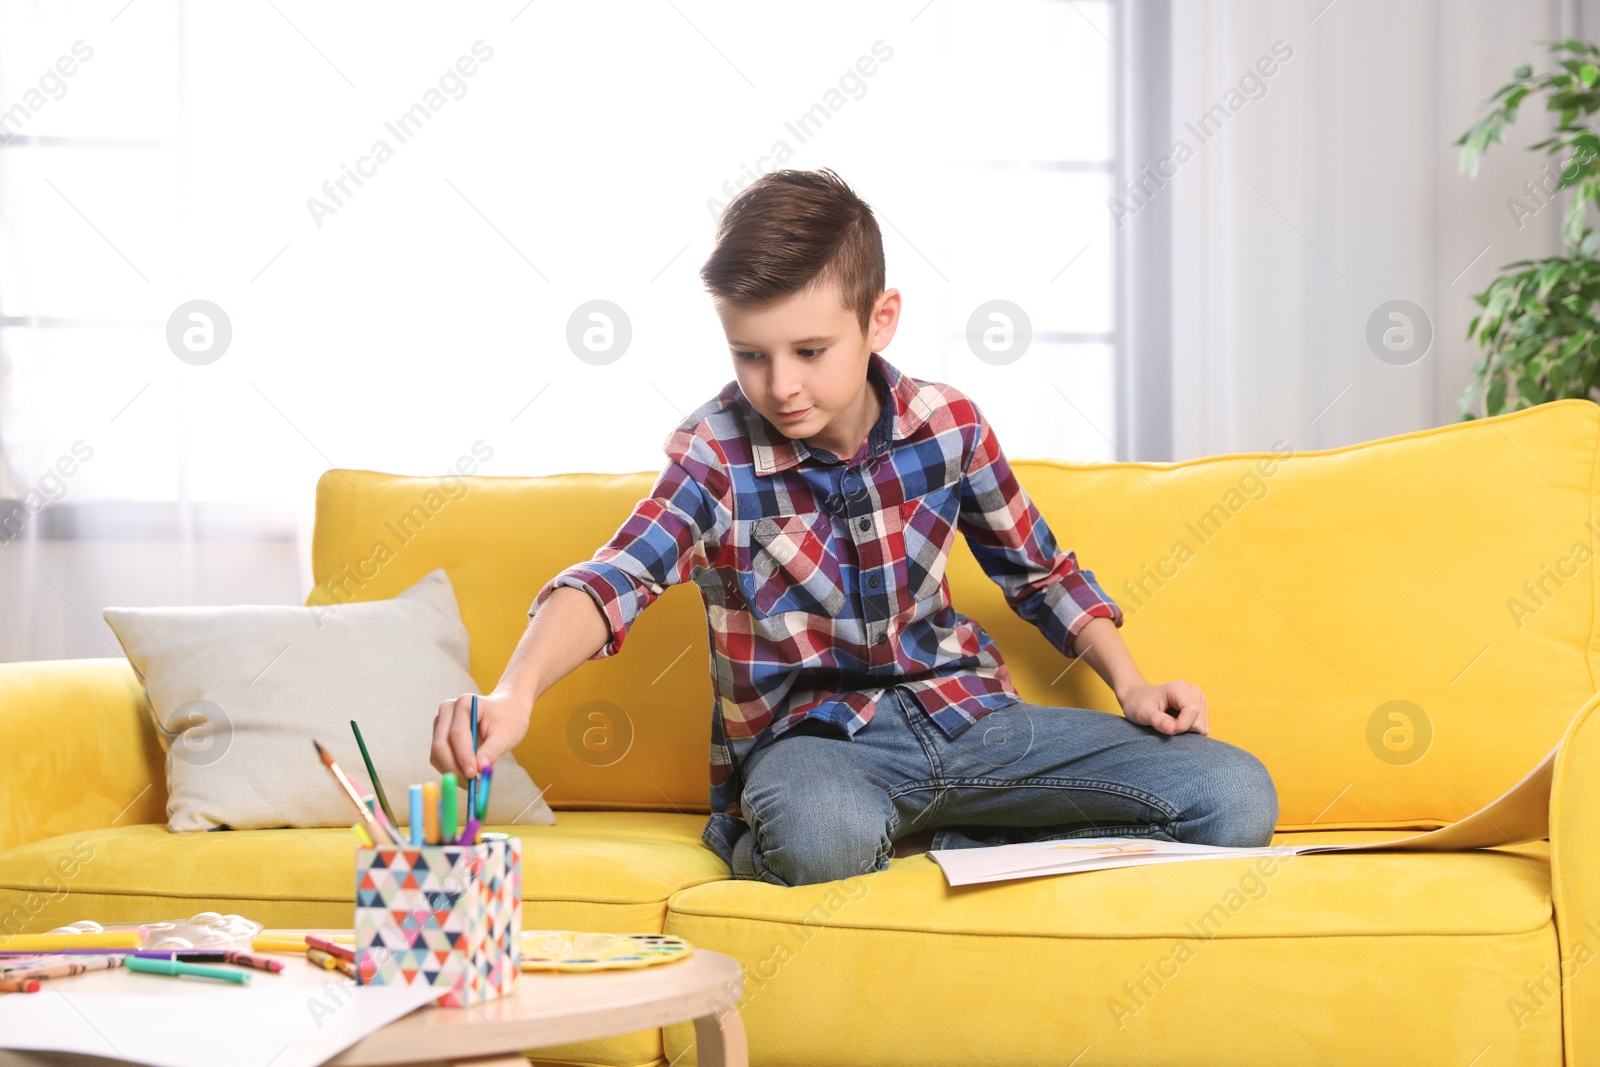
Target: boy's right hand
[[502, 723]]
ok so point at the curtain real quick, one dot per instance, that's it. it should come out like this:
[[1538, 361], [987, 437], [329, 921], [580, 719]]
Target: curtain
[[1315, 186]]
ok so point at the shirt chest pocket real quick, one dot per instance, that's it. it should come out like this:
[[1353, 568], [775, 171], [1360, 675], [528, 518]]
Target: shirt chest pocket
[[785, 563], [927, 531]]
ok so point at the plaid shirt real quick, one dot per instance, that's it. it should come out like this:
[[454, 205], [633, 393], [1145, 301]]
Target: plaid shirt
[[824, 579]]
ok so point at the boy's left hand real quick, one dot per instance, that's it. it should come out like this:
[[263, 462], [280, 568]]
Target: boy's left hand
[[1147, 705]]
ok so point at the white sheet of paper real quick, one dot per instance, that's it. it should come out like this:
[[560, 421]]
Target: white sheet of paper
[[1521, 813], [998, 863], [299, 1017]]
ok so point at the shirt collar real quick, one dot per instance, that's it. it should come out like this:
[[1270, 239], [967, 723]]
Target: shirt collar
[[904, 410]]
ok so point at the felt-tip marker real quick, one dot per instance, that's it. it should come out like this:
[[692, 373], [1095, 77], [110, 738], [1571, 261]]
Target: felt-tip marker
[[447, 809], [472, 782], [176, 968]]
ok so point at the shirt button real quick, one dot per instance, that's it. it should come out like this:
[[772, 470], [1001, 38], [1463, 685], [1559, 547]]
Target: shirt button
[[873, 581], [866, 522], [881, 639]]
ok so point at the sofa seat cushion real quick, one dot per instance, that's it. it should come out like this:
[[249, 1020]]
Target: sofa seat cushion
[[593, 870], [1211, 962]]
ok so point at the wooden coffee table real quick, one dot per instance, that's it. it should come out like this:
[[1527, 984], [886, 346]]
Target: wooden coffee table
[[548, 1008], [554, 1008]]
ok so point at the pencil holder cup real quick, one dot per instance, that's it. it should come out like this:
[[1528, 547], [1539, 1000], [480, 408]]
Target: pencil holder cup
[[443, 915]]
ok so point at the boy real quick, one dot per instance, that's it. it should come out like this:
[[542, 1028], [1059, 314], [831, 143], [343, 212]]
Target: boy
[[814, 502]]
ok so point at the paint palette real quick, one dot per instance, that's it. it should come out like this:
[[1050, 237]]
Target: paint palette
[[578, 950]]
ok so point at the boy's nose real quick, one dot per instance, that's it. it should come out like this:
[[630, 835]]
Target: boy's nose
[[784, 390], [784, 385]]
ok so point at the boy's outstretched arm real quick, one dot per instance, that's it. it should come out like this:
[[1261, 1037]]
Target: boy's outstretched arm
[[586, 610], [1103, 648], [567, 631]]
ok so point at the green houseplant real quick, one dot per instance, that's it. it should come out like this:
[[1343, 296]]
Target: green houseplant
[[1540, 324]]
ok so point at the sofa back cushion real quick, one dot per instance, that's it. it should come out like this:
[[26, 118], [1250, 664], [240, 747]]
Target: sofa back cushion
[[1399, 629]]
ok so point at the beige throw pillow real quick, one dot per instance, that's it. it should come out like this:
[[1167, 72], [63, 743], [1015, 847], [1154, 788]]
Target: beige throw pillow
[[238, 694]]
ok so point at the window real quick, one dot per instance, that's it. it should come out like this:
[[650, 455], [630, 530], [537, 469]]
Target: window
[[400, 218]]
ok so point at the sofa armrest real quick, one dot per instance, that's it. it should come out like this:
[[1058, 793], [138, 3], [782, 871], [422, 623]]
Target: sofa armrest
[[79, 750], [1575, 880]]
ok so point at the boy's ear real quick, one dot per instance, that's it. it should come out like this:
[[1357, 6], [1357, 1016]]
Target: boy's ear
[[888, 299]]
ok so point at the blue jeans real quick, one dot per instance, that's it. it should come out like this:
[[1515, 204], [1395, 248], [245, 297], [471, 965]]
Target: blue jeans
[[822, 806]]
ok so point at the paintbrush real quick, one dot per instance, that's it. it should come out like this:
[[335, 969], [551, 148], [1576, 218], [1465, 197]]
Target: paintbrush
[[374, 827]]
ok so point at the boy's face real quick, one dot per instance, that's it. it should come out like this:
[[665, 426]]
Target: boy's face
[[806, 354]]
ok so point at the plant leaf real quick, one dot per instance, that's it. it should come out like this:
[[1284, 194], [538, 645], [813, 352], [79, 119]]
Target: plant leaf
[[1495, 402]]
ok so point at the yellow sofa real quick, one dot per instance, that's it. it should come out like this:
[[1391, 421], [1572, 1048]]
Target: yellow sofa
[[1305, 591]]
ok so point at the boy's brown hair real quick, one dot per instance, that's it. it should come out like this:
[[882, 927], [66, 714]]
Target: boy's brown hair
[[790, 229]]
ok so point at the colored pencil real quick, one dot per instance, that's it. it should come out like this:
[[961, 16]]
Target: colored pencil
[[383, 820], [377, 786]]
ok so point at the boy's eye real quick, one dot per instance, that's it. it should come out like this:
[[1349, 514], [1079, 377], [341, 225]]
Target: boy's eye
[[809, 353]]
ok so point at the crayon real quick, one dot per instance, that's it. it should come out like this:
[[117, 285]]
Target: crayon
[[11, 966], [332, 948], [469, 836], [330, 962], [19, 985], [59, 966], [259, 963], [416, 815]]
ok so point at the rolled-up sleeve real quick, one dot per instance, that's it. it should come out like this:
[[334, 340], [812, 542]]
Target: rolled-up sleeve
[[1015, 547], [660, 544]]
